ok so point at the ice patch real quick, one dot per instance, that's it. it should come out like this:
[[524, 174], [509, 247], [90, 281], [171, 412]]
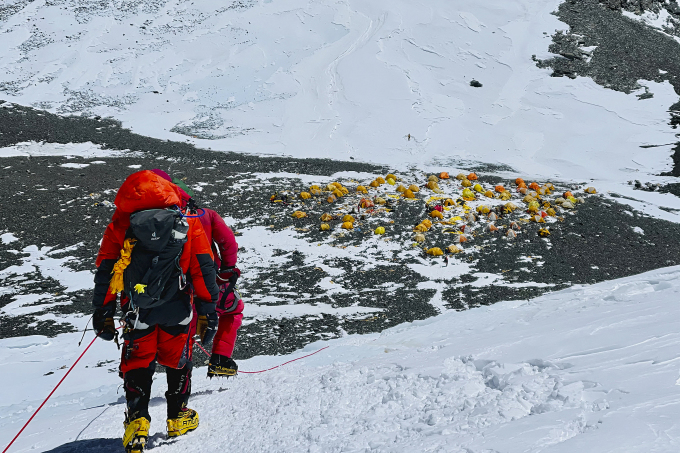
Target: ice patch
[[86, 149], [74, 165], [8, 238]]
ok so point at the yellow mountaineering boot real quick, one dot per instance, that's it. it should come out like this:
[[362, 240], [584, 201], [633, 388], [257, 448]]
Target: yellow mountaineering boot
[[221, 365], [187, 420], [136, 435]]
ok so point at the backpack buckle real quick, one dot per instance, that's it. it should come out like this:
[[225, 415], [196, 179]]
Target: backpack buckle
[[130, 319]]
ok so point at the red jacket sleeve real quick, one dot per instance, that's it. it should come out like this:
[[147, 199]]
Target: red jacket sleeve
[[224, 238], [197, 261]]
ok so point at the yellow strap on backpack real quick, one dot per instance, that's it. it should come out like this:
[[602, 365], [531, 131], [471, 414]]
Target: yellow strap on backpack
[[116, 284]]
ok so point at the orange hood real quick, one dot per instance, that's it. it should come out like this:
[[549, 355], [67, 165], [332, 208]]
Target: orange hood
[[146, 190]]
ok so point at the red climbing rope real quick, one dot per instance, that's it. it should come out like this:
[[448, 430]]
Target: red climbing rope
[[88, 347], [268, 369], [48, 396]]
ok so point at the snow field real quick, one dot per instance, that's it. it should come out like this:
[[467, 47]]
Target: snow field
[[384, 81], [591, 368]]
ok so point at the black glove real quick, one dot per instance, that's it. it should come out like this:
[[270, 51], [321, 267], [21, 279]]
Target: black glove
[[102, 323], [207, 327]]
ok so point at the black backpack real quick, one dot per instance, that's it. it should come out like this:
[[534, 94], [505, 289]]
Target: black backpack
[[154, 275]]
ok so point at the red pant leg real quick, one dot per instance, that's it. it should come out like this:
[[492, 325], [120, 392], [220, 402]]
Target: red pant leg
[[143, 351], [225, 339], [174, 346]]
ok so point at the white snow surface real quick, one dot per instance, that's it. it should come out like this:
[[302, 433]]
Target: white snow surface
[[87, 149], [656, 20], [591, 368], [8, 238], [349, 78]]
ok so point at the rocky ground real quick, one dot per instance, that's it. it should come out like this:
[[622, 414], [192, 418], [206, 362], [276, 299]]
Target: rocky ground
[[64, 204]]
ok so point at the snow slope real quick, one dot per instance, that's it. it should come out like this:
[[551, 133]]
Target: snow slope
[[349, 78], [591, 368]]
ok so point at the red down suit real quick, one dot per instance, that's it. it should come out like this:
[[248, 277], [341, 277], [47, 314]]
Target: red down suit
[[147, 190], [225, 251]]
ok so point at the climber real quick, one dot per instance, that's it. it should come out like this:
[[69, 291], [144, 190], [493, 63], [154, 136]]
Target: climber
[[230, 305], [162, 265]]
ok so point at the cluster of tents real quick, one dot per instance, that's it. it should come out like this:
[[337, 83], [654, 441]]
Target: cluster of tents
[[459, 208]]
